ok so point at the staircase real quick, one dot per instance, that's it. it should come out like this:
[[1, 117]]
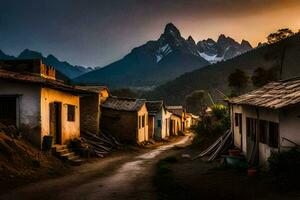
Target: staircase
[[66, 154]]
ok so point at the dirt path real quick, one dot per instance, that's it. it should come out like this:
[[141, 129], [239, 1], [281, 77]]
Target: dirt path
[[118, 177]]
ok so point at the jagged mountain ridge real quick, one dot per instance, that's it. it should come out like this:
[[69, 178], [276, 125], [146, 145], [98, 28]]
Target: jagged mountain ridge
[[162, 60], [214, 78], [68, 70]]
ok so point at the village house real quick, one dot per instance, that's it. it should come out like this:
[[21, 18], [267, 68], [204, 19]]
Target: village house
[[177, 119], [125, 118], [267, 120], [37, 104], [90, 108], [159, 120]]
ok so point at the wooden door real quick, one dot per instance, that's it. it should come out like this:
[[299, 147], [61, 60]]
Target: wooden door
[[55, 122]]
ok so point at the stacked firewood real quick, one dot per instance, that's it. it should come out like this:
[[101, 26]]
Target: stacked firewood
[[101, 144]]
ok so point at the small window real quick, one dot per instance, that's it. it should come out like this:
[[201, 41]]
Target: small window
[[273, 134], [143, 121], [71, 113], [236, 119], [159, 123], [263, 128]]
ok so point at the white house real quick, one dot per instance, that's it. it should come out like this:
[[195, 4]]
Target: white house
[[267, 119], [159, 119]]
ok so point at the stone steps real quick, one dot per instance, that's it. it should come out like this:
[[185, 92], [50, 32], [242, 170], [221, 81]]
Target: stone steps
[[66, 154]]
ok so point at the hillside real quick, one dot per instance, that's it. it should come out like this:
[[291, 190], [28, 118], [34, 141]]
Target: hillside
[[214, 77], [159, 61], [63, 67]]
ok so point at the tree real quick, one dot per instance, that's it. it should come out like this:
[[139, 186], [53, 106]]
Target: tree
[[238, 80], [196, 102], [276, 37], [262, 76], [279, 35]]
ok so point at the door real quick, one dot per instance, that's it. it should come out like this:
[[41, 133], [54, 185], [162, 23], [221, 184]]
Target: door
[[55, 122], [8, 110], [251, 126]]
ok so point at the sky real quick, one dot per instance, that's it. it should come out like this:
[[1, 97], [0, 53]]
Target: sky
[[97, 32]]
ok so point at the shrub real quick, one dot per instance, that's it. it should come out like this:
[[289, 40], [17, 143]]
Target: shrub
[[216, 124], [285, 164]]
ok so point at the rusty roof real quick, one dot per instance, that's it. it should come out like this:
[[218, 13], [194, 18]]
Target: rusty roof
[[274, 95], [37, 79], [154, 107], [123, 104], [176, 110], [93, 88]]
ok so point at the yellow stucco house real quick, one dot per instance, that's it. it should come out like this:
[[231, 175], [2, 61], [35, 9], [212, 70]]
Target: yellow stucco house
[[37, 104]]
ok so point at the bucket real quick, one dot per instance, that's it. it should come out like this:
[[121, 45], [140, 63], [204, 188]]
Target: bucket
[[252, 172], [47, 143]]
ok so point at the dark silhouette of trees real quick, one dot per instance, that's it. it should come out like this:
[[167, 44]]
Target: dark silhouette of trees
[[279, 35], [238, 81], [263, 76], [124, 92], [196, 102]]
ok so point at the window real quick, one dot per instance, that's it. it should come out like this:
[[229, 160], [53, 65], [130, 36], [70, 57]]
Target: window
[[139, 122], [71, 113], [236, 119], [146, 120], [143, 121], [251, 126], [273, 134], [263, 131], [158, 123]]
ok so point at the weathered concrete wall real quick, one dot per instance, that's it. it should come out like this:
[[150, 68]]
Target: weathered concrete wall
[[122, 124], [70, 129], [289, 126], [240, 140], [176, 124], [143, 131], [28, 107], [90, 113]]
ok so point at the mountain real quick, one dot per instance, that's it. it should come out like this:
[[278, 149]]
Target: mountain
[[159, 61], [223, 49], [63, 67], [214, 78]]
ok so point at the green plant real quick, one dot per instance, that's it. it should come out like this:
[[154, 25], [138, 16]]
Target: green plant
[[285, 164]]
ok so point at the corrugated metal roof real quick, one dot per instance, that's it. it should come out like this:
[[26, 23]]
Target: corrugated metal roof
[[154, 107], [274, 95], [176, 110], [123, 104]]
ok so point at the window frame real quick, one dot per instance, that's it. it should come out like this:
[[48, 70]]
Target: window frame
[[71, 113]]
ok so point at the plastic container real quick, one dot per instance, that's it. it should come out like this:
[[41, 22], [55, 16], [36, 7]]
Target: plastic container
[[47, 143]]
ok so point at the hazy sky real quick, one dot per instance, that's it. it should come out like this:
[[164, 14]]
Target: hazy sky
[[98, 32]]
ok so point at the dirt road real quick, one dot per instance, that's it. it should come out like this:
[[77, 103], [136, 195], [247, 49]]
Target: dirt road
[[119, 177]]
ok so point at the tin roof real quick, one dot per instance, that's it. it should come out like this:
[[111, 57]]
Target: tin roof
[[274, 95], [176, 110], [123, 104], [154, 107]]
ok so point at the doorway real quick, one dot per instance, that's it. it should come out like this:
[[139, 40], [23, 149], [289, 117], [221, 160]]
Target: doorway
[[8, 110], [55, 122]]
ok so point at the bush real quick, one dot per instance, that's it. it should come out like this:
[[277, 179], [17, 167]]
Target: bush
[[216, 124], [285, 164]]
